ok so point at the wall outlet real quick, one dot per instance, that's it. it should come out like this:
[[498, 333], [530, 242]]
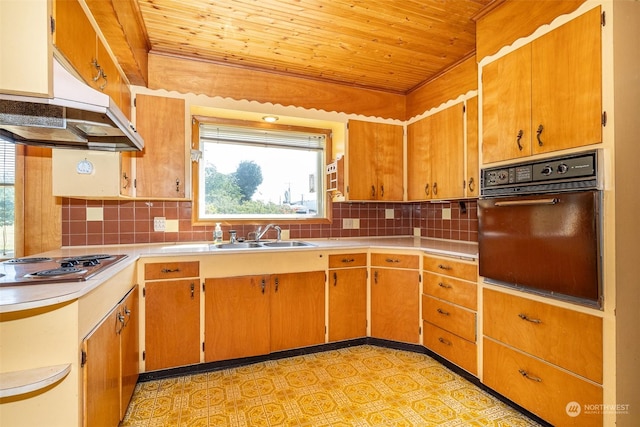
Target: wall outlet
[[417, 232], [159, 223], [388, 214], [446, 213], [171, 226], [355, 225], [347, 223], [95, 214], [285, 234]]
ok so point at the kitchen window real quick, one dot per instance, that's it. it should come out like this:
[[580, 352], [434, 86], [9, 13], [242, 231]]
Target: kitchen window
[[256, 171], [7, 198]]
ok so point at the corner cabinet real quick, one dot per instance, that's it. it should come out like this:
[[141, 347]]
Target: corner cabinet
[[395, 297], [375, 161], [546, 95], [435, 155], [160, 166], [110, 364]]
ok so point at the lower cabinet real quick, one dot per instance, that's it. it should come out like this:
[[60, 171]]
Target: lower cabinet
[[395, 304], [110, 364], [546, 358], [172, 318], [254, 315], [347, 296]]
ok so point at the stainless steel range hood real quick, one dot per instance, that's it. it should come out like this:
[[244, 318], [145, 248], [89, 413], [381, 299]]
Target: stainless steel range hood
[[77, 116]]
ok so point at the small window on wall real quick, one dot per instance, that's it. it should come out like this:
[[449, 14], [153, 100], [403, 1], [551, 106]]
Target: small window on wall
[[7, 198], [255, 171]]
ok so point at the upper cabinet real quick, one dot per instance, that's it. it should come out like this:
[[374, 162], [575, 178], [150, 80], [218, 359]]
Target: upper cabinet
[[546, 95], [76, 38], [160, 166], [25, 48], [435, 155], [375, 159]]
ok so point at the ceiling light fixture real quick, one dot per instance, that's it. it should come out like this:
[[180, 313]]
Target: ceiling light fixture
[[270, 119]]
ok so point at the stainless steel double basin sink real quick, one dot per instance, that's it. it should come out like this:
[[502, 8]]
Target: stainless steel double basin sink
[[262, 245]]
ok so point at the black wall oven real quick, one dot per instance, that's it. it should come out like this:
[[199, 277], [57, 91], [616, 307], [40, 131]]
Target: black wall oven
[[539, 227]]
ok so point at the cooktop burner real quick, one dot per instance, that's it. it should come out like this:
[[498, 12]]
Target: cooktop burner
[[28, 260], [57, 272], [37, 270]]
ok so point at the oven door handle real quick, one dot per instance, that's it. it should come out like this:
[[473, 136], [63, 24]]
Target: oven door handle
[[552, 201]]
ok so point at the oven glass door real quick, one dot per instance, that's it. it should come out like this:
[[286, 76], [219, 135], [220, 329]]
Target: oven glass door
[[547, 243]]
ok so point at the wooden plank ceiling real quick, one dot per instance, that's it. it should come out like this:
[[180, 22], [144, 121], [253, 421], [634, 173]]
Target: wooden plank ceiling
[[390, 45]]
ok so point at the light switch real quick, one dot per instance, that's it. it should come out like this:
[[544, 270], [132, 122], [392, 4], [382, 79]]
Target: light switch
[[171, 226], [446, 213]]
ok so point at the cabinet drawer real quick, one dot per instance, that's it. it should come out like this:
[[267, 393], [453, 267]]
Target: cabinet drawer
[[449, 317], [347, 260], [450, 267], [171, 270], [453, 348], [395, 260], [539, 387], [453, 290], [558, 335]]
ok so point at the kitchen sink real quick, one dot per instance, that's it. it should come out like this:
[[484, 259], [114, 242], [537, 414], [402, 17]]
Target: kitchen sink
[[286, 244], [262, 245], [238, 245]]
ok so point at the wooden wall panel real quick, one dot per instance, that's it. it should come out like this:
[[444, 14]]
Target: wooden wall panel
[[210, 79], [512, 19], [42, 212], [454, 82]]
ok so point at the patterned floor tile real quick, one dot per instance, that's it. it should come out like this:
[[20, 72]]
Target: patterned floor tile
[[362, 386]]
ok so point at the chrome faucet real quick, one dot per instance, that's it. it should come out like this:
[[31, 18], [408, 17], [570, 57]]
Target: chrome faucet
[[260, 232]]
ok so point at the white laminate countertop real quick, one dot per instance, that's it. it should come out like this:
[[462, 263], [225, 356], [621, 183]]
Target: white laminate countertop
[[25, 297]]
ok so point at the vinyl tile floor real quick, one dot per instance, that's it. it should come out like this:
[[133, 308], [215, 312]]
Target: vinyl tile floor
[[355, 386]]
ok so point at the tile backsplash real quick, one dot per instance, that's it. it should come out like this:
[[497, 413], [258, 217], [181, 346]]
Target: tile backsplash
[[106, 222]]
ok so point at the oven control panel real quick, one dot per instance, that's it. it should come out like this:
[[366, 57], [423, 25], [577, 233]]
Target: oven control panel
[[577, 171]]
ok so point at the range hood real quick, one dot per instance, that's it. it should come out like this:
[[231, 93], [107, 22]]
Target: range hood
[[77, 116]]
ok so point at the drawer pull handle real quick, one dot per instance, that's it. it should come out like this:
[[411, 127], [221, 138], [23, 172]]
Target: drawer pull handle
[[441, 311], [335, 279], [443, 341], [168, 270], [444, 267], [444, 285], [375, 277], [528, 376], [392, 260], [529, 319], [348, 260]]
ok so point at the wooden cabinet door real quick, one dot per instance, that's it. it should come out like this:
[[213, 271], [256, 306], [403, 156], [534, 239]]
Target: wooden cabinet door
[[237, 319], [395, 305], [362, 160], [102, 374], [297, 310], [129, 348], [419, 159], [472, 177], [567, 85], [347, 304], [172, 323], [375, 161], [75, 37], [506, 107], [160, 166], [447, 153], [389, 161]]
